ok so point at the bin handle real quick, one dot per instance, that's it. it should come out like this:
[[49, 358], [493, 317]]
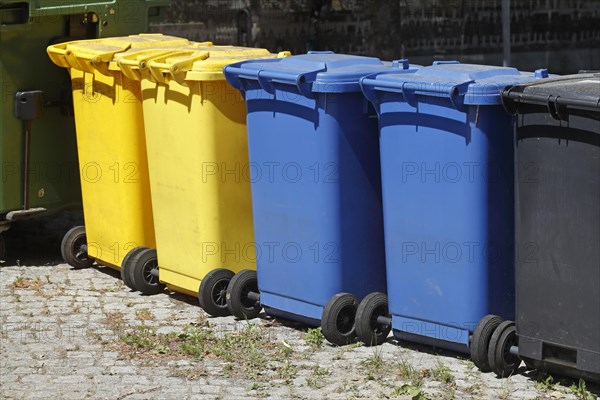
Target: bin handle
[[129, 63], [234, 72], [410, 89], [159, 69], [130, 68], [134, 65], [555, 104], [57, 54], [266, 78], [91, 62]]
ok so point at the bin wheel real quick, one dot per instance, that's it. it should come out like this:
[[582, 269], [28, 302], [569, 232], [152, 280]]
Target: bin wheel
[[238, 301], [502, 362], [480, 342], [143, 270], [74, 248], [368, 330], [2, 247], [126, 266], [212, 294], [337, 322]]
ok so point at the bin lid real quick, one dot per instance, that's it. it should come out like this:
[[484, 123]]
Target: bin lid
[[315, 71], [466, 83], [194, 62], [212, 67], [578, 91], [96, 54]]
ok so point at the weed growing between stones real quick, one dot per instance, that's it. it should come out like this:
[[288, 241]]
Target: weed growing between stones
[[248, 353], [580, 390], [442, 373], [317, 378], [22, 282], [413, 389], [374, 365], [314, 338]]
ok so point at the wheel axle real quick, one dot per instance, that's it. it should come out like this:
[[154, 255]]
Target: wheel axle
[[383, 320], [254, 296]]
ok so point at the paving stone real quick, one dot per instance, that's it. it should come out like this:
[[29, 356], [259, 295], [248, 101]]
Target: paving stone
[[64, 344]]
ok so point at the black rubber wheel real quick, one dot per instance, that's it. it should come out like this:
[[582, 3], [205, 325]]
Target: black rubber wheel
[[502, 362], [142, 265], [2, 247], [337, 322], [238, 302], [368, 330], [72, 250], [126, 269], [212, 294], [480, 342]]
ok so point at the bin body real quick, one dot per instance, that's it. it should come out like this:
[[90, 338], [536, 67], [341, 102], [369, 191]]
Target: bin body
[[558, 209], [315, 175], [200, 190], [448, 197], [111, 145], [114, 168], [26, 29]]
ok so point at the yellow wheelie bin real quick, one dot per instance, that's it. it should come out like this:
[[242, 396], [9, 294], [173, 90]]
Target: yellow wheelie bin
[[198, 157], [111, 149]]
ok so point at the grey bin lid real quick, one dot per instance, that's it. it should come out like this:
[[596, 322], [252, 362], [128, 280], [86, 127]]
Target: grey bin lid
[[579, 91]]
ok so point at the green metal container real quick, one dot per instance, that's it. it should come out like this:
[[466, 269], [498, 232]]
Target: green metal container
[[38, 154]]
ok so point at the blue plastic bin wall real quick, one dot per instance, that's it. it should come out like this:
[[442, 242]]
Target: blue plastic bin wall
[[316, 189], [448, 196]]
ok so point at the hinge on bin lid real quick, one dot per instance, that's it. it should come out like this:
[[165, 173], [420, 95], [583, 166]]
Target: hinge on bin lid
[[541, 73], [510, 101], [555, 110], [321, 52]]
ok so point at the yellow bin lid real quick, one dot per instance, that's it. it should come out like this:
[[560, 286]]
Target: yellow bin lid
[[194, 62], [97, 54]]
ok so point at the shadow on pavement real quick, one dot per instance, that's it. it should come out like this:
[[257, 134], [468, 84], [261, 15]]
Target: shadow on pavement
[[36, 242]]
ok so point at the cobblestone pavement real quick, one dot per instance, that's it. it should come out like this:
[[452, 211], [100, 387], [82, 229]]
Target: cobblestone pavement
[[74, 334]]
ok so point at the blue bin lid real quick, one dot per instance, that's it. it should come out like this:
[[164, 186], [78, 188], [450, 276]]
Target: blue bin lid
[[462, 83], [324, 72]]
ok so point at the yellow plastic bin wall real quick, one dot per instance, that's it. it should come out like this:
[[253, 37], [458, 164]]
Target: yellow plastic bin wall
[[111, 145], [114, 167], [198, 155]]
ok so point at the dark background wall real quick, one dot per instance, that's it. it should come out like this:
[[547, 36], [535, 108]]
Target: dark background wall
[[563, 35]]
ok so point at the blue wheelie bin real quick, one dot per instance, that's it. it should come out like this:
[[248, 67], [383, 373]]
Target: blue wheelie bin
[[448, 198], [316, 189]]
